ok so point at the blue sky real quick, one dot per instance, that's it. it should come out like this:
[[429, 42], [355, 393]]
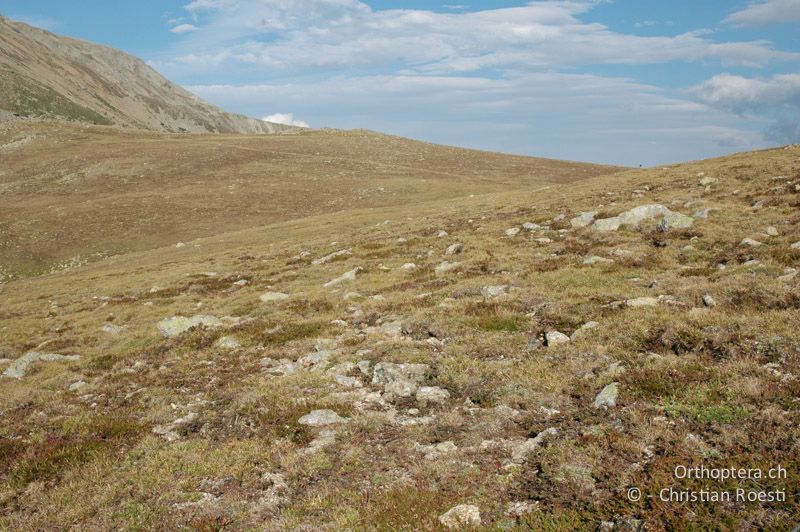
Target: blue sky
[[618, 81]]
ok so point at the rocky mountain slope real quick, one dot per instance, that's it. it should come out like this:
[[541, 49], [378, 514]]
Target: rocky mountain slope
[[51, 76], [539, 357]]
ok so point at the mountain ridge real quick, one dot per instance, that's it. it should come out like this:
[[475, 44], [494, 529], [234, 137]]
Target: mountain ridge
[[44, 75]]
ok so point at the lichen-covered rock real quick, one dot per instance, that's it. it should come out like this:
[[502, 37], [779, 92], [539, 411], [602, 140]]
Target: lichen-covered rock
[[428, 395], [607, 398], [583, 219], [227, 343], [273, 297], [19, 367], [491, 292], [639, 214], [446, 266], [749, 242], [675, 220], [555, 338], [347, 276], [461, 516], [320, 418], [332, 256], [454, 249]]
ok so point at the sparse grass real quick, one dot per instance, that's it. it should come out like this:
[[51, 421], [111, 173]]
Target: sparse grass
[[693, 383]]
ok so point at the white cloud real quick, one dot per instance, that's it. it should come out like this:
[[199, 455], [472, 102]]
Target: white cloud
[[286, 119], [184, 28], [505, 79], [293, 35], [739, 94], [569, 116], [776, 98], [765, 13]]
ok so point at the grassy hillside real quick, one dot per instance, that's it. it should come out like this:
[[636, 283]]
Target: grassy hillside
[[690, 357], [69, 193]]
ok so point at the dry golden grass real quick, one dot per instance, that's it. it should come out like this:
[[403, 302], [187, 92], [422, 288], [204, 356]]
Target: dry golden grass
[[695, 388], [73, 194]]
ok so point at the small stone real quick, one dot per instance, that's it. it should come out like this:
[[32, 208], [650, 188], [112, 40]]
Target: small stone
[[332, 256], [702, 213], [530, 226], [583, 219], [19, 367], [544, 240], [707, 181], [461, 516], [180, 245], [512, 232], [400, 389], [347, 276], [709, 301], [642, 302], [315, 359], [594, 259], [796, 245], [176, 325], [432, 395], [749, 242], [521, 451], [675, 220], [607, 398], [584, 329], [320, 418], [556, 338], [364, 367], [491, 292], [349, 382], [408, 266], [446, 266], [272, 297], [76, 386], [521, 508], [442, 234], [534, 343], [227, 343], [110, 328], [388, 372], [454, 249], [772, 231]]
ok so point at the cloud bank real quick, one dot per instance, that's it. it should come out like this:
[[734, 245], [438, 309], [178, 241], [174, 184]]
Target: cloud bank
[[777, 97], [766, 13], [534, 79], [285, 119]]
